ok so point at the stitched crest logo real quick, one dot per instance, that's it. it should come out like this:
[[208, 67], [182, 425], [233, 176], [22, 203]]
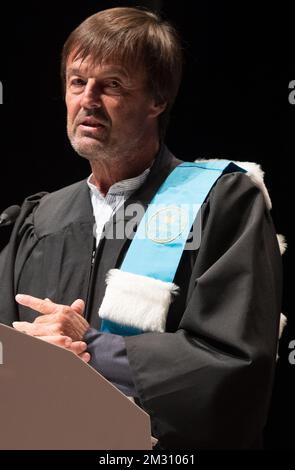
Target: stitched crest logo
[[166, 224]]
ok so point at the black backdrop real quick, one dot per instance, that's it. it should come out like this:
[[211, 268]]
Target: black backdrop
[[233, 103]]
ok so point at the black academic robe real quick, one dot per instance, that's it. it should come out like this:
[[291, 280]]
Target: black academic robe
[[206, 382]]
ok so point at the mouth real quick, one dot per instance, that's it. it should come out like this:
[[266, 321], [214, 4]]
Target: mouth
[[92, 123], [92, 128]]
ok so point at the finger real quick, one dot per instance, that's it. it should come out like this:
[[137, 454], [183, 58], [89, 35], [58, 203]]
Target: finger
[[40, 305], [46, 319], [38, 329], [78, 305], [58, 340], [85, 357], [78, 347], [23, 326]]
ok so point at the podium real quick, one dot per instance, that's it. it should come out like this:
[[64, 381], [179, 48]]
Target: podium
[[50, 399]]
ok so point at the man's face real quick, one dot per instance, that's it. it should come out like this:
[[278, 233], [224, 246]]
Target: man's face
[[110, 114]]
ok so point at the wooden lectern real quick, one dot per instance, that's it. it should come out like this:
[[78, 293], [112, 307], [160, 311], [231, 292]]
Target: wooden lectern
[[51, 399]]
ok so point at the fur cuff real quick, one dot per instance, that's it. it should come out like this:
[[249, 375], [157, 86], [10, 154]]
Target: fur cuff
[[282, 243], [283, 323], [137, 301]]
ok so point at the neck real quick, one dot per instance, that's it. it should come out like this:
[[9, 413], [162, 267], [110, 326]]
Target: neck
[[107, 172]]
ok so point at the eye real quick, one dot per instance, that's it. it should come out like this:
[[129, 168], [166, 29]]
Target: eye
[[113, 84], [77, 82], [112, 87]]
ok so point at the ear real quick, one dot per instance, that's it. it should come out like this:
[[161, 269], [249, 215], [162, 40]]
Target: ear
[[157, 108]]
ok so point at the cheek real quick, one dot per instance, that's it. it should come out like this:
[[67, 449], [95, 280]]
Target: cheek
[[72, 108], [125, 115], [119, 105]]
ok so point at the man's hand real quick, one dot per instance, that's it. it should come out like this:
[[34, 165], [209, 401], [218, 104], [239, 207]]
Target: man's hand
[[77, 347], [62, 325]]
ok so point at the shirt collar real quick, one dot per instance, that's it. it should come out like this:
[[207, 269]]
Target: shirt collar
[[121, 187]]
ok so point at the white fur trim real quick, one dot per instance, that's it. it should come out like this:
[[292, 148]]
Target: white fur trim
[[255, 173], [283, 323], [138, 301], [282, 243]]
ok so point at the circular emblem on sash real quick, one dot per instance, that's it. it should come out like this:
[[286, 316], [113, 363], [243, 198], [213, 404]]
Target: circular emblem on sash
[[166, 224]]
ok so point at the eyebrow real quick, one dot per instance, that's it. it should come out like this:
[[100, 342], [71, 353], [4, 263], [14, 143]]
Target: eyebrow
[[74, 71], [115, 71]]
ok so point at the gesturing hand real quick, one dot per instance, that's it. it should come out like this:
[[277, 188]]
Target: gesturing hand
[[62, 325]]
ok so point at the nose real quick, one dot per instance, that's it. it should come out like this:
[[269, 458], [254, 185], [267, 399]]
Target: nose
[[91, 95]]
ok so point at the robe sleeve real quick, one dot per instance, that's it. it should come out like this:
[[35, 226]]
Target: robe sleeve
[[22, 241], [208, 384], [108, 356]]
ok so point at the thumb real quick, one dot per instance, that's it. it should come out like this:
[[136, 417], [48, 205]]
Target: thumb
[[78, 305]]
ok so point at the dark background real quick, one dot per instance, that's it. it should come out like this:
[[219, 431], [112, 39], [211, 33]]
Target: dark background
[[233, 103]]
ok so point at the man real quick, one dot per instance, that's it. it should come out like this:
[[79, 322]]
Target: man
[[205, 374]]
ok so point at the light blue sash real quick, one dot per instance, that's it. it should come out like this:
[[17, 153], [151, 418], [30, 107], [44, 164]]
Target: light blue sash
[[157, 246]]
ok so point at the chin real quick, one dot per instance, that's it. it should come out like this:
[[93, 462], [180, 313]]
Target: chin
[[90, 154], [89, 149]]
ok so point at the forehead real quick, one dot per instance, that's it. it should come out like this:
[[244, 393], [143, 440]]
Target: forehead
[[90, 67]]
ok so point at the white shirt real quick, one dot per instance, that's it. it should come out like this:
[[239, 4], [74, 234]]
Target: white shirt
[[105, 206]]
